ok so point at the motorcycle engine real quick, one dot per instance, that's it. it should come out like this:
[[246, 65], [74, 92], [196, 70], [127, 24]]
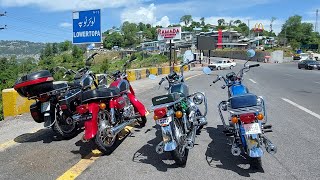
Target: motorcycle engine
[[128, 110]]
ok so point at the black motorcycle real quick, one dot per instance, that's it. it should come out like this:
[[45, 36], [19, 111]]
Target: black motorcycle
[[178, 115], [55, 101]]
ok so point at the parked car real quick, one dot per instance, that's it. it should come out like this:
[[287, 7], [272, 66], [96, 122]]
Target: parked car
[[309, 64], [223, 64]]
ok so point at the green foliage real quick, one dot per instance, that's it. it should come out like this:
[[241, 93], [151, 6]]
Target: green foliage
[[114, 39], [298, 33], [20, 48], [186, 19]]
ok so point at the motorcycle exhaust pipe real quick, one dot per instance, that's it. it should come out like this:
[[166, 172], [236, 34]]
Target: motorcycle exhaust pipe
[[115, 130], [235, 151], [191, 138], [160, 148], [270, 147]]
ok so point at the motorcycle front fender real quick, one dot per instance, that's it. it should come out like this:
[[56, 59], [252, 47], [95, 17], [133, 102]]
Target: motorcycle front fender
[[91, 125], [137, 104]]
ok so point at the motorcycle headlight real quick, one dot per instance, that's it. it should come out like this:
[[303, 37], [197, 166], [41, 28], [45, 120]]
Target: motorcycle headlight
[[198, 99]]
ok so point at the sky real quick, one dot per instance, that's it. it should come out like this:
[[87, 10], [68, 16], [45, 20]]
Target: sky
[[51, 20]]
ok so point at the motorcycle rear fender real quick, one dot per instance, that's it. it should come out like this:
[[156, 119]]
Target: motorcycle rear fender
[[168, 141], [137, 104], [91, 126], [254, 148]]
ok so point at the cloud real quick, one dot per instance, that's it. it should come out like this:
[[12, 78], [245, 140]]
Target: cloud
[[142, 14], [65, 25], [145, 15], [164, 22], [67, 5]]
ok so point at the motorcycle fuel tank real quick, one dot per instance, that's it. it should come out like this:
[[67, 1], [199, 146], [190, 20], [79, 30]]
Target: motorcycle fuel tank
[[238, 90], [123, 85]]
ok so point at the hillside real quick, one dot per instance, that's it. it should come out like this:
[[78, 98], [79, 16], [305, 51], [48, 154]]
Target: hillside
[[20, 49]]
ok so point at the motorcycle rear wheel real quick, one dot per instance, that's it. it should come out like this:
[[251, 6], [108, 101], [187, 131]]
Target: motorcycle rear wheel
[[255, 163], [64, 130], [142, 121], [180, 156]]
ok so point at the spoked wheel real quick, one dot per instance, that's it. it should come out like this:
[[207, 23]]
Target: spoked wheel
[[180, 154], [105, 142], [63, 129]]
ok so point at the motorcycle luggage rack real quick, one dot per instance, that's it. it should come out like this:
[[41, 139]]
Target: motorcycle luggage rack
[[50, 93], [252, 109]]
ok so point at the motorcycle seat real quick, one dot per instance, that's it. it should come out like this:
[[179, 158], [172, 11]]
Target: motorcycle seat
[[101, 93], [243, 100]]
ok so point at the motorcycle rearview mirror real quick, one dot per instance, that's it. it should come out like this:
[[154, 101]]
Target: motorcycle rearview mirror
[[187, 57], [251, 53], [152, 77], [206, 70]]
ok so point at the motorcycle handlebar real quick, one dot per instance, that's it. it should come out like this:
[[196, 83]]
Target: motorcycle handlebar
[[163, 79], [254, 65]]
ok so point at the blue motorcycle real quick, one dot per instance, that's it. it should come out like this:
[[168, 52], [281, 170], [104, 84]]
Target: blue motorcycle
[[247, 116]]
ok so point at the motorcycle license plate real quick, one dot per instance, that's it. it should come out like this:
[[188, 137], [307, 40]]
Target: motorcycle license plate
[[253, 128], [164, 121], [45, 107]]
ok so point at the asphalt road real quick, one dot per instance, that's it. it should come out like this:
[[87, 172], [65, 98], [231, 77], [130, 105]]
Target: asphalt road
[[292, 98]]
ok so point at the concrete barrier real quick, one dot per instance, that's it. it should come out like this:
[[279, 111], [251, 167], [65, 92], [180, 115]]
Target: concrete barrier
[[14, 104]]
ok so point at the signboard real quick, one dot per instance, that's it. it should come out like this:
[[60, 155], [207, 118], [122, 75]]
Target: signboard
[[86, 26], [169, 33], [206, 43]]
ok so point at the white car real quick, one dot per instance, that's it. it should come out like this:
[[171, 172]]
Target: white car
[[222, 64]]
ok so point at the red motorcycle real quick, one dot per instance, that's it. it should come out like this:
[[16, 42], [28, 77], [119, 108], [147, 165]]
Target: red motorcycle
[[112, 109]]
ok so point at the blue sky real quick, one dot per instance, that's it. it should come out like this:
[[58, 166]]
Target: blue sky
[[50, 20]]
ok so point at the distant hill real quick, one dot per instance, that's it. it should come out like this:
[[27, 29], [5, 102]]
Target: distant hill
[[20, 49]]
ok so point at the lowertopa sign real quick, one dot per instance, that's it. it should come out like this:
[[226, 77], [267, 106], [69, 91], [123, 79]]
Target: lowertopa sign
[[87, 26], [169, 33]]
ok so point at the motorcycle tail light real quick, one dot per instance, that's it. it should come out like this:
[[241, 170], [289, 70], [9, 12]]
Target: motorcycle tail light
[[247, 118], [82, 109], [43, 98], [160, 113]]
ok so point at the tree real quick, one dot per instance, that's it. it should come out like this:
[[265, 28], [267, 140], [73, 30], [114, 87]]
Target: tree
[[186, 19], [129, 32], [221, 22], [48, 50], [237, 22], [298, 33], [114, 39], [55, 49], [77, 53], [202, 21], [243, 29], [65, 46]]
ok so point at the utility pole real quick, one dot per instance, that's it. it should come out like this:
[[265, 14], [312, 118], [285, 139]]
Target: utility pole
[[316, 25]]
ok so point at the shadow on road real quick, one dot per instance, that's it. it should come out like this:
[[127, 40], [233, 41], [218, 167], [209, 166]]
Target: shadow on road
[[45, 135], [147, 154], [87, 147], [219, 155]]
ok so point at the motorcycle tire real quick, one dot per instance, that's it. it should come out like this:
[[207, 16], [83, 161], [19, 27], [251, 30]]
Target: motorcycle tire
[[107, 150], [255, 163], [142, 122], [64, 130], [180, 157]]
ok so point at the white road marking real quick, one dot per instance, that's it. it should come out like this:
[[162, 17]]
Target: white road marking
[[253, 81], [289, 75], [302, 108]]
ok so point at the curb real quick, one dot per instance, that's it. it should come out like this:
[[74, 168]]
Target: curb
[[14, 104]]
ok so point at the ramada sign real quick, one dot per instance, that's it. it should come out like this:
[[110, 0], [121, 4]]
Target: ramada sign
[[169, 33]]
